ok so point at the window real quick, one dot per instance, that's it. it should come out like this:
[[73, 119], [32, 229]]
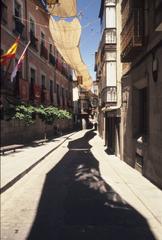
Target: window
[[63, 96], [42, 39], [32, 75], [18, 10], [58, 94], [19, 26], [111, 73], [51, 86], [32, 82], [32, 26], [33, 39], [110, 17], [143, 111], [140, 112], [110, 35], [43, 81], [51, 91], [50, 48]]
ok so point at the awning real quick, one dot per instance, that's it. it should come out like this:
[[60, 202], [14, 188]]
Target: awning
[[62, 8], [66, 37]]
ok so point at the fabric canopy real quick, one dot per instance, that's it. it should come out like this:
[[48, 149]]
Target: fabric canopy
[[62, 8], [66, 36]]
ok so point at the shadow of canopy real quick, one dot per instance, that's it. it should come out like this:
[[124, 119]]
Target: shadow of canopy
[[76, 203]]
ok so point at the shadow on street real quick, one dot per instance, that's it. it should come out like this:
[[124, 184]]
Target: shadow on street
[[77, 204]]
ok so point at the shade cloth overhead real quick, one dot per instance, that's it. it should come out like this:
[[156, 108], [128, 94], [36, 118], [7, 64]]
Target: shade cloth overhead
[[66, 36], [62, 8]]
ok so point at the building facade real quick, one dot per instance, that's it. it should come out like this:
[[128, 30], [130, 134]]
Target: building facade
[[141, 113], [44, 77], [108, 74]]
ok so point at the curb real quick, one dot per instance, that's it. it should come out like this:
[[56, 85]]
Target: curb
[[22, 174]]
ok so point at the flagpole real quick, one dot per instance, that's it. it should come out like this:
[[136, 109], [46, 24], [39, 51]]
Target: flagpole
[[14, 72], [23, 52]]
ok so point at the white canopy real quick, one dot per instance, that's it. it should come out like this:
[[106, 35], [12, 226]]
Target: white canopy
[[62, 8], [66, 36]]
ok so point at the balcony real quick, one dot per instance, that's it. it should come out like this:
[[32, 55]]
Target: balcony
[[19, 26], [132, 35], [33, 41], [108, 41], [158, 15], [43, 52], [109, 94], [110, 2], [110, 36], [52, 59], [3, 13]]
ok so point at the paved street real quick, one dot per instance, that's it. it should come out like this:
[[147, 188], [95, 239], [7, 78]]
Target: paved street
[[79, 192]]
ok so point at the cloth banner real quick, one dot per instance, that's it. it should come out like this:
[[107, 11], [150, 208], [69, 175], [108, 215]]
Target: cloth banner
[[66, 37], [62, 8]]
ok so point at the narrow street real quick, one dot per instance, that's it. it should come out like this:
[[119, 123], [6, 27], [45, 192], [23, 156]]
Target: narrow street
[[71, 195]]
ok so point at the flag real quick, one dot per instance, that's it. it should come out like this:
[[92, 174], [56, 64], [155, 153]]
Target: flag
[[10, 53], [19, 63]]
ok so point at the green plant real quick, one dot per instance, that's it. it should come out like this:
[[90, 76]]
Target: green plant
[[9, 112], [63, 114], [47, 114], [24, 113]]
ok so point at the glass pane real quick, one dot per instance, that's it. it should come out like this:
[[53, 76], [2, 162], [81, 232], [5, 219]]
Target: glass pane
[[110, 17], [17, 9]]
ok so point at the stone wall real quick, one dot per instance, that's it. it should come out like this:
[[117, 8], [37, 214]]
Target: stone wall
[[139, 77], [15, 131]]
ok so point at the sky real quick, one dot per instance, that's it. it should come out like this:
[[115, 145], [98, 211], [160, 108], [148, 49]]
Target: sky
[[90, 36]]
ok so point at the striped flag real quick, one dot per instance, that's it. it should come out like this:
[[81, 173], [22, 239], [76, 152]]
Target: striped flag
[[19, 63], [10, 53]]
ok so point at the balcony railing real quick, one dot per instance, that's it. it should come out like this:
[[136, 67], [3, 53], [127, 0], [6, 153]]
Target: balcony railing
[[110, 36], [19, 26], [108, 40], [132, 36], [3, 13], [44, 52], [33, 41], [158, 15], [52, 59], [109, 94], [110, 2]]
